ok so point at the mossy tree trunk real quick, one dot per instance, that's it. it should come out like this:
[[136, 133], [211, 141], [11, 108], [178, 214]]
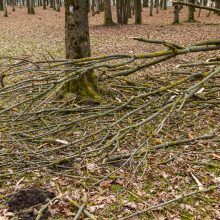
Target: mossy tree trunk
[[78, 46]]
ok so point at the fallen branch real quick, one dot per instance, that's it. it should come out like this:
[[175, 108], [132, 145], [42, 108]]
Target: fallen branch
[[181, 197]]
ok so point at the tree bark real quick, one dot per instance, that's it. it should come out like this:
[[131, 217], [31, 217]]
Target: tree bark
[[44, 4], [217, 5], [145, 3], [164, 4], [97, 6], [1, 5], [93, 7], [176, 14], [151, 7], [58, 5], [30, 6], [138, 19], [5, 8], [77, 43], [191, 10], [13, 5], [122, 7], [108, 13]]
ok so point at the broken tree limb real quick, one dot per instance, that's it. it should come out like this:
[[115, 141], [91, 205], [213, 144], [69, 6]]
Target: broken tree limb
[[33, 116], [171, 201], [196, 6]]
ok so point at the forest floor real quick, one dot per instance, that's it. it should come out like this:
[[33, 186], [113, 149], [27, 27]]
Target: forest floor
[[117, 189]]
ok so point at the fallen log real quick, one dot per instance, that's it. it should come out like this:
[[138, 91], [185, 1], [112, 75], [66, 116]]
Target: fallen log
[[178, 5], [196, 6]]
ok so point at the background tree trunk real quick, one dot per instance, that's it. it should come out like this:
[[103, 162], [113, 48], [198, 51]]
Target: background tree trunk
[[151, 7], [5, 8], [108, 13], [1, 5], [138, 12], [122, 7], [30, 6], [145, 3], [58, 5], [44, 4], [164, 4], [97, 6], [13, 5], [217, 5], [191, 10]]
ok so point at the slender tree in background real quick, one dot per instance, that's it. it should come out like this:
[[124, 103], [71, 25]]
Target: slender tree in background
[[138, 12], [30, 6], [97, 6], [217, 5], [93, 7], [165, 4], [58, 5], [77, 44], [1, 5], [13, 5], [191, 10], [161, 4], [44, 4], [54, 5], [145, 3], [151, 7], [108, 13], [5, 8], [122, 11]]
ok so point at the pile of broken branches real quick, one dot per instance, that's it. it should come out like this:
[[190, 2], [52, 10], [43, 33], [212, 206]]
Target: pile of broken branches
[[40, 131]]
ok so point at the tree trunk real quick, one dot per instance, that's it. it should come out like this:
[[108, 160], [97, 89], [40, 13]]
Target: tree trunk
[[78, 46], [1, 5], [44, 4], [157, 6], [13, 5], [164, 4], [108, 13], [58, 5], [54, 5], [97, 6], [122, 11], [129, 9], [176, 14], [205, 2], [161, 4], [145, 3], [93, 7], [138, 12], [30, 7], [151, 7], [217, 5], [191, 10], [5, 8]]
